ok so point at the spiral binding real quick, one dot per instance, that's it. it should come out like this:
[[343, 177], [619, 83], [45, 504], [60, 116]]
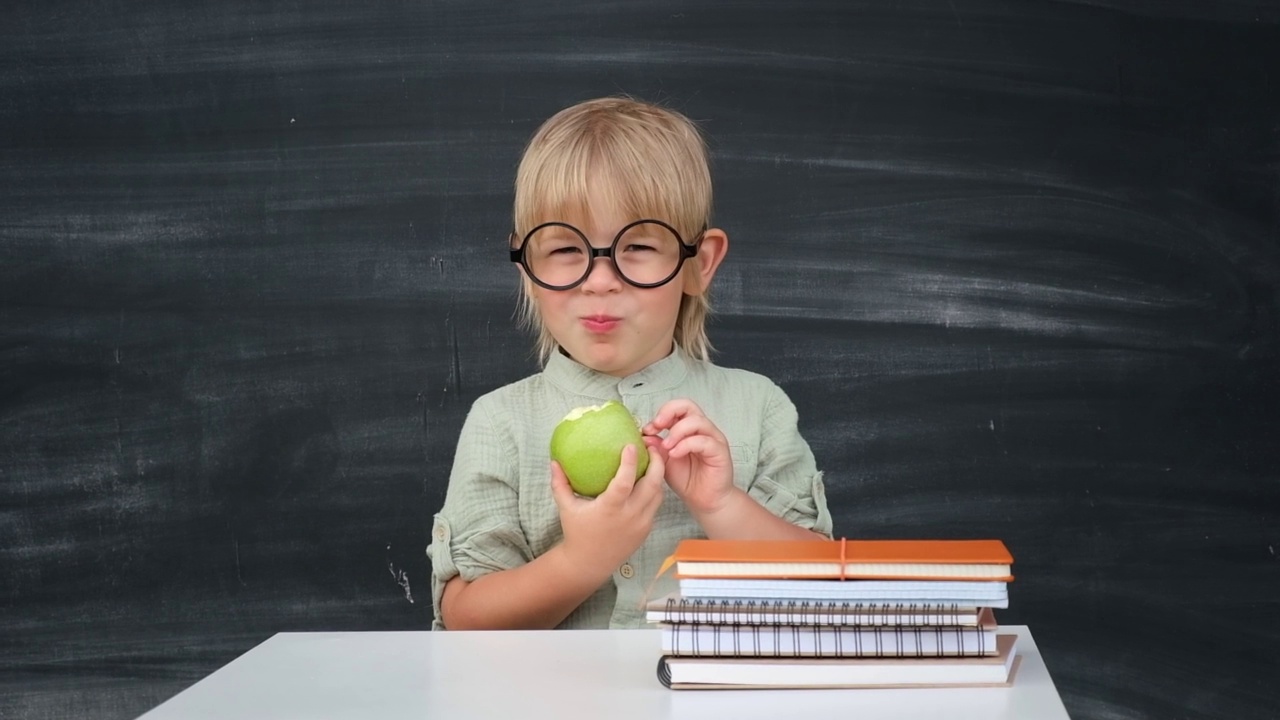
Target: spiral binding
[[816, 612]]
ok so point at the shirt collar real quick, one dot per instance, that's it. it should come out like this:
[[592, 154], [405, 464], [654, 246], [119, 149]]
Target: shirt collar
[[570, 375]]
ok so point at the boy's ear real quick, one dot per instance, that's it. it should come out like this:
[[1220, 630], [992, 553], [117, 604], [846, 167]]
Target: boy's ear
[[711, 252]]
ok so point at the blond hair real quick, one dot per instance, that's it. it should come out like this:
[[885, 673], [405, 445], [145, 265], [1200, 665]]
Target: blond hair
[[646, 161]]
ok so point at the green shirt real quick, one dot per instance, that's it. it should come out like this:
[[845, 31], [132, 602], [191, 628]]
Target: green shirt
[[499, 513]]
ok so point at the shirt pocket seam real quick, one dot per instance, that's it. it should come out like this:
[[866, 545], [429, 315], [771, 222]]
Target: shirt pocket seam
[[744, 465]]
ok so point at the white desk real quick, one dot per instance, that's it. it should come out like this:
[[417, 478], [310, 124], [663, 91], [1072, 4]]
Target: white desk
[[531, 675]]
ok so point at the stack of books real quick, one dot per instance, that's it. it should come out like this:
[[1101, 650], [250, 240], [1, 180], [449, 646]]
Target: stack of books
[[835, 613]]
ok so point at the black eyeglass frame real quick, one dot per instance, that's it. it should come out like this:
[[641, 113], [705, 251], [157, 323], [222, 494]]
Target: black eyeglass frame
[[687, 250]]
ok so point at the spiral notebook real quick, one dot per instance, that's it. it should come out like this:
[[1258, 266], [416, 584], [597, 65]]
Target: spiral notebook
[[708, 640], [743, 673], [674, 608]]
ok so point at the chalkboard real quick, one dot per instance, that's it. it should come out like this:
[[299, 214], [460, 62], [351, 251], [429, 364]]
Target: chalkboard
[[1017, 264]]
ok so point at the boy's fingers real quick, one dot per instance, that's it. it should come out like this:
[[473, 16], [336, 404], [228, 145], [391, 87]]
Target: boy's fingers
[[654, 480], [625, 478], [670, 413], [561, 492], [653, 444], [653, 503], [700, 445], [689, 427], [657, 465]]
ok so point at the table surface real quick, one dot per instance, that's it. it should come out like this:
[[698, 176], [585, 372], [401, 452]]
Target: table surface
[[546, 674]]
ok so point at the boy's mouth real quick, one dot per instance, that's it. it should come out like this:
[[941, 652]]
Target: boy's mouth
[[600, 323]]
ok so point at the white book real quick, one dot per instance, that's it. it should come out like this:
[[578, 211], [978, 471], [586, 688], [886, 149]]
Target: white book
[[982, 571], [740, 672], [983, 593]]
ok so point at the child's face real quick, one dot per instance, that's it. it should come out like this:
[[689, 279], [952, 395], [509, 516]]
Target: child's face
[[605, 323]]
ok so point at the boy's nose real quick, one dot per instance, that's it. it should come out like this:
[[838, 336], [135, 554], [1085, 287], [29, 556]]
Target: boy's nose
[[600, 280]]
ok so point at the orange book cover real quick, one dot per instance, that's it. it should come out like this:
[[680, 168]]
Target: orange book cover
[[842, 557], [859, 551]]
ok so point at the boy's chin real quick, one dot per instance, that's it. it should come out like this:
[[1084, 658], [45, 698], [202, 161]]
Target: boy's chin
[[602, 357], [596, 357]]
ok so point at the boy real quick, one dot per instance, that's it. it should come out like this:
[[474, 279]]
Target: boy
[[616, 256]]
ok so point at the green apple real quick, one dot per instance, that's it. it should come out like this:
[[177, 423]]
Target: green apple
[[588, 445]]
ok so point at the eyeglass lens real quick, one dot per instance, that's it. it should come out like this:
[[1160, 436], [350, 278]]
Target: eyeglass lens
[[645, 253]]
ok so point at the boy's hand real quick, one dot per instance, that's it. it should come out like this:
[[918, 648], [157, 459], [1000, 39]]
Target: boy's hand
[[699, 467], [601, 533]]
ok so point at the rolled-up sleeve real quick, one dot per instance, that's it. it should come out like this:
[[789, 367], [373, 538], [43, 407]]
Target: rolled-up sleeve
[[788, 482], [477, 531]]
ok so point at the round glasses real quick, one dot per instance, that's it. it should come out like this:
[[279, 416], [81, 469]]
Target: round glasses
[[645, 253]]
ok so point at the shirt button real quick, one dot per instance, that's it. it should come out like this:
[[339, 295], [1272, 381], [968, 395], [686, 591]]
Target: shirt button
[[439, 533], [627, 571]]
